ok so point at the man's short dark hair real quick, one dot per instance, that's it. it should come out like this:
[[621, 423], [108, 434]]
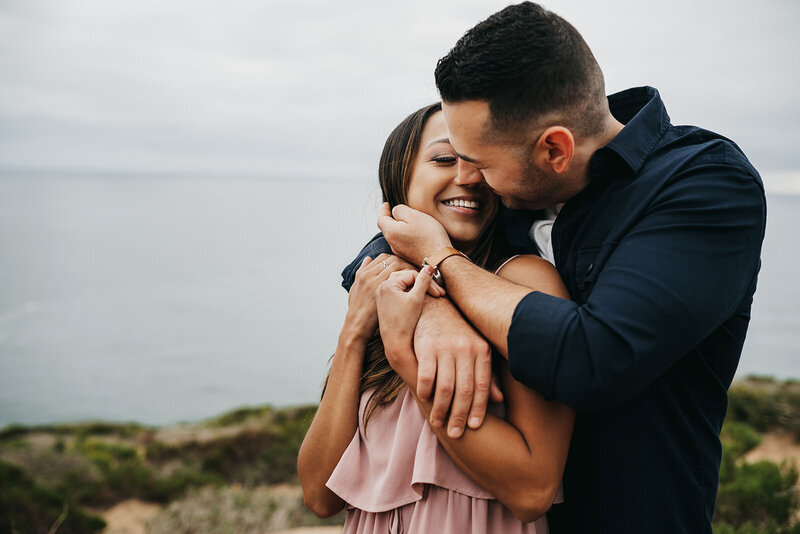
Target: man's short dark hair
[[526, 62]]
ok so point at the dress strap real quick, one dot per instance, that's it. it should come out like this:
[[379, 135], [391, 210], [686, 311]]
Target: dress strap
[[504, 263]]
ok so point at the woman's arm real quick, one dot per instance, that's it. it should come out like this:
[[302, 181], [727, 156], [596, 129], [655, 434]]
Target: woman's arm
[[336, 419], [520, 460], [333, 427]]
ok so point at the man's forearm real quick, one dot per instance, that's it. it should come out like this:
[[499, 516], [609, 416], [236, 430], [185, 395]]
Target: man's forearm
[[486, 300]]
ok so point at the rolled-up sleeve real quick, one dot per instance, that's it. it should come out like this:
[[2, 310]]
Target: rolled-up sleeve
[[677, 275], [376, 246]]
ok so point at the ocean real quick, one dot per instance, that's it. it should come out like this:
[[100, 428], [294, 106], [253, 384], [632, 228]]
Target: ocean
[[161, 300]]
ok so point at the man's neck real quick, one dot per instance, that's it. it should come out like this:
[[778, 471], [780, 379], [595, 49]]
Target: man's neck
[[585, 149]]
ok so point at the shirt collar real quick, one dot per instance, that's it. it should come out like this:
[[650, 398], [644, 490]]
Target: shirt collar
[[642, 112]]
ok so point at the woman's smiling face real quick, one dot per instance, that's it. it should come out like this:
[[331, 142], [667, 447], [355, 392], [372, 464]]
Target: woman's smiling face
[[464, 211]]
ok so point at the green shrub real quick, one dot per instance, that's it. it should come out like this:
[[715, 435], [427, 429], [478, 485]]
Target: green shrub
[[13, 430], [766, 404], [26, 507], [759, 493], [757, 498], [749, 528], [737, 439], [240, 415]]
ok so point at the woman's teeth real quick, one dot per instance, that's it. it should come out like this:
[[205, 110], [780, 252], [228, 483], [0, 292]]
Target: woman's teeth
[[462, 203]]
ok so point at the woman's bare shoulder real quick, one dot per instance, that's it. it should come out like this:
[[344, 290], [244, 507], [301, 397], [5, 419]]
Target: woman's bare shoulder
[[532, 271]]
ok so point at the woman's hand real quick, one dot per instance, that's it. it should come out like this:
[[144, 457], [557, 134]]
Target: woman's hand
[[399, 301], [361, 320]]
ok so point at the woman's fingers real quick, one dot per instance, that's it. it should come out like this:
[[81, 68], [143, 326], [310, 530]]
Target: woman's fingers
[[401, 281], [385, 264], [364, 267], [435, 290], [421, 282], [381, 262]]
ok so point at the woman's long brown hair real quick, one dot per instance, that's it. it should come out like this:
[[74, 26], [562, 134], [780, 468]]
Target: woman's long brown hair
[[394, 174]]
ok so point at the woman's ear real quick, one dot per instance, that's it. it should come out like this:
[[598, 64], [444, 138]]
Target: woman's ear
[[554, 149]]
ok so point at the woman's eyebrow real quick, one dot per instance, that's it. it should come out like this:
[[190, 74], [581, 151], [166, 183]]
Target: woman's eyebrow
[[442, 140]]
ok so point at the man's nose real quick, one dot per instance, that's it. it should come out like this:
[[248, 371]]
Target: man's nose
[[468, 174]]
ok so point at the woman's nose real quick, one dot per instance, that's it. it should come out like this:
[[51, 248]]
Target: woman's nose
[[468, 174]]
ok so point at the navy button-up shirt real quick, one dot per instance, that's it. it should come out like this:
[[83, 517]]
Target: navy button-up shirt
[[660, 253]]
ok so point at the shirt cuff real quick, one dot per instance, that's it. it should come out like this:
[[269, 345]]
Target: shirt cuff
[[535, 340]]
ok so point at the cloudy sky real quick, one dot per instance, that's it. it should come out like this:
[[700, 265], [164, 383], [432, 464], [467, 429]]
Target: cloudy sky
[[309, 89]]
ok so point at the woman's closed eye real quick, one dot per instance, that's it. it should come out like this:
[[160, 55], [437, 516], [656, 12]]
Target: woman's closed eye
[[445, 159]]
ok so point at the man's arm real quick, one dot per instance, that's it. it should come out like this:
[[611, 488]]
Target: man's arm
[[488, 300], [674, 278], [677, 276]]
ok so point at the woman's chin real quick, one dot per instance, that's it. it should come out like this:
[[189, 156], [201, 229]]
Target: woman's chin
[[464, 240]]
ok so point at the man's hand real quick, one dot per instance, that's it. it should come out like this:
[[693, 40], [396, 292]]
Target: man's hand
[[455, 361], [411, 234], [455, 365]]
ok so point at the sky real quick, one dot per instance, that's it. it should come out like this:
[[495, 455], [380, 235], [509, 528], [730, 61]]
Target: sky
[[310, 89]]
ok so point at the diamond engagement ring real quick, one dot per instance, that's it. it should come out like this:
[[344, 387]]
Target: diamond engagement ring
[[385, 265]]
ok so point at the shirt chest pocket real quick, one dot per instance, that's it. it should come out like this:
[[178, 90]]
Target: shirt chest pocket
[[586, 270]]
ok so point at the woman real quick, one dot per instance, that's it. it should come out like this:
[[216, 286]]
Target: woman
[[369, 446]]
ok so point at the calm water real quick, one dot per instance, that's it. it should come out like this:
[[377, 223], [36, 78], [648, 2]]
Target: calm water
[[161, 300]]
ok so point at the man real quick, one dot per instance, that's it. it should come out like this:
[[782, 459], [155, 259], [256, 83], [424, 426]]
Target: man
[[657, 237]]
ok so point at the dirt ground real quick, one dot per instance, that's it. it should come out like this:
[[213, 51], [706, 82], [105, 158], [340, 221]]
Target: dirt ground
[[776, 447], [129, 517], [312, 530]]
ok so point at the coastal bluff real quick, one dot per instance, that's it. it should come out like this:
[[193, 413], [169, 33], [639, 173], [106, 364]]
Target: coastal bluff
[[237, 472]]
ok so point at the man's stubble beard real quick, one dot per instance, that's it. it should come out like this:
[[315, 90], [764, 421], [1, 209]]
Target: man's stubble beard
[[532, 193]]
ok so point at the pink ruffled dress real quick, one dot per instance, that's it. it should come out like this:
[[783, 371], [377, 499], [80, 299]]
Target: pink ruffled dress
[[397, 478]]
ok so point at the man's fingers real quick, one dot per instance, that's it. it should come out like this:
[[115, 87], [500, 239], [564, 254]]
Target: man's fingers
[[483, 380], [443, 396], [401, 212], [495, 393], [426, 375], [462, 398], [385, 220]]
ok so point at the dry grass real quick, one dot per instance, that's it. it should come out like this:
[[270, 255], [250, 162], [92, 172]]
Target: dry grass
[[236, 509]]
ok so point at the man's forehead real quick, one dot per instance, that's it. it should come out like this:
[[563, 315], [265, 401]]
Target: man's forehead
[[468, 115], [469, 128], [467, 123]]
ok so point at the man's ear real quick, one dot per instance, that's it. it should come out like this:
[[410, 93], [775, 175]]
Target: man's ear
[[554, 149]]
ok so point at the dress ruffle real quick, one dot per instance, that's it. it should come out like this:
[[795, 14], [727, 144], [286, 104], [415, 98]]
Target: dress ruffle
[[396, 477], [387, 465]]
